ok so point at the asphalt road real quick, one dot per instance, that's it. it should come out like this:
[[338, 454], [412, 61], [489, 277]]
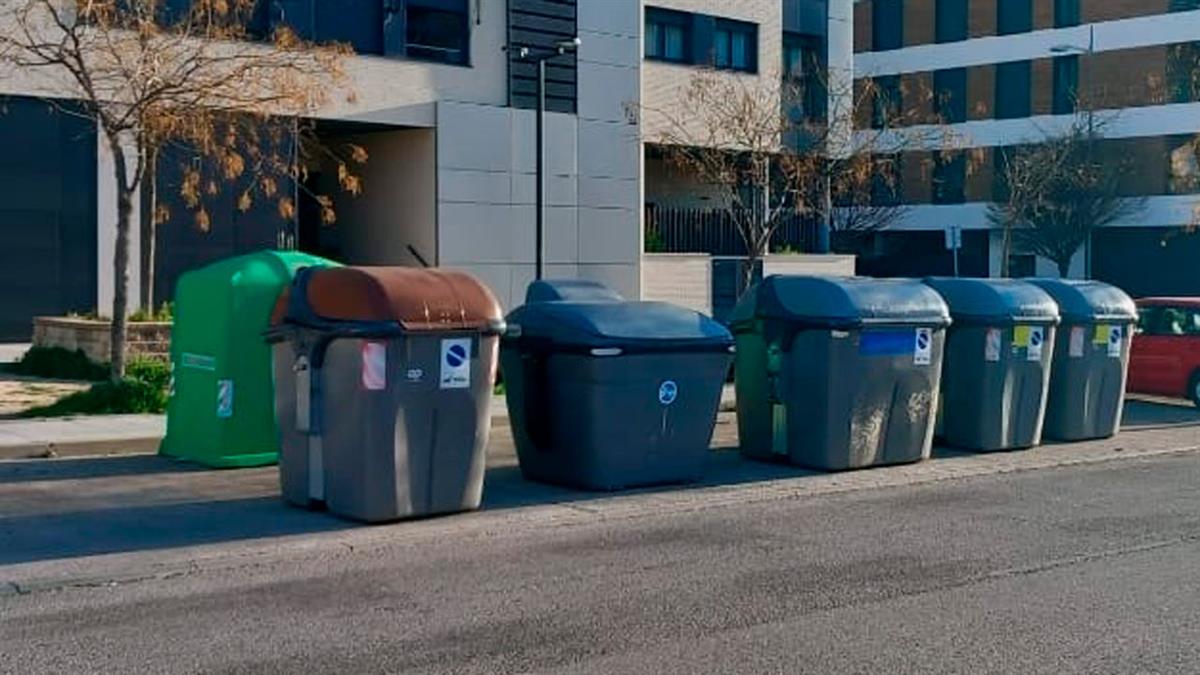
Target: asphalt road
[[1085, 569]]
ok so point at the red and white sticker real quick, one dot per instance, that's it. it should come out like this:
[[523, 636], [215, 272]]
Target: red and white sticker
[[374, 366], [991, 346], [1077, 339]]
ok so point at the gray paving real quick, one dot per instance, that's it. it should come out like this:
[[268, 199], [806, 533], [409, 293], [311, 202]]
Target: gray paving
[[82, 435], [1084, 568]]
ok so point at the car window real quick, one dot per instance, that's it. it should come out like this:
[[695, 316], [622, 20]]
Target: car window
[[1191, 321], [1149, 320]]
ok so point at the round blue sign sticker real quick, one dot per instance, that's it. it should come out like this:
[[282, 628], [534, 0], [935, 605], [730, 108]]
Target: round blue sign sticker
[[668, 391], [456, 355]]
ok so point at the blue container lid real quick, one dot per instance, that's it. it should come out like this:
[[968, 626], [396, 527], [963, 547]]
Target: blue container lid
[[995, 301], [1082, 301], [841, 302], [603, 321]]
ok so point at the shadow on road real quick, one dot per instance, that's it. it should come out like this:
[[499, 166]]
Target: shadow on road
[[29, 470], [51, 536], [56, 509]]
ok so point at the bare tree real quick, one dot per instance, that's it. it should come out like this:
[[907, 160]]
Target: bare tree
[[745, 141], [150, 77], [1058, 192]]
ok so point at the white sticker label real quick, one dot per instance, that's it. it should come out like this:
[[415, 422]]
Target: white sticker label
[[374, 366], [224, 399], [1077, 340], [991, 349], [1116, 340], [1037, 338], [923, 351], [456, 364]]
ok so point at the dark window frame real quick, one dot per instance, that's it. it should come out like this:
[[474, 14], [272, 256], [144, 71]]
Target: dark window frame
[[668, 18], [731, 27], [808, 78], [1066, 13], [1065, 95], [949, 177], [950, 95], [887, 15], [887, 102], [1005, 105], [1008, 22], [951, 20], [458, 10]]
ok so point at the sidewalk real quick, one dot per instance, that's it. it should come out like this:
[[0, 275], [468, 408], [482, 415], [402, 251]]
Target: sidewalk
[[106, 520], [127, 434]]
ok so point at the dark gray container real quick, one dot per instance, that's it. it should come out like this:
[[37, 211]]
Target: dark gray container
[[996, 373], [1091, 359], [838, 373], [606, 394], [382, 419]]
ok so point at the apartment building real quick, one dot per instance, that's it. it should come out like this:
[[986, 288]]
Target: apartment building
[[444, 106], [1008, 72], [809, 42]]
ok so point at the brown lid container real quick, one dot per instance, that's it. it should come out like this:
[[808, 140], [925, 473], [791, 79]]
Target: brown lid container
[[416, 299]]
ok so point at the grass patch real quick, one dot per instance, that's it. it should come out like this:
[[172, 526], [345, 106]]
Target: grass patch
[[144, 390]]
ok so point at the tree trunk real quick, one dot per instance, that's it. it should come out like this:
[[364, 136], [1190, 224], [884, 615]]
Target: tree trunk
[[120, 304], [149, 234], [1006, 250], [1064, 268]]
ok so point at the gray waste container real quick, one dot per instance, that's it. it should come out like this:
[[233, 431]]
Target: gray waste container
[[838, 373], [1091, 359], [997, 365], [383, 382], [605, 394]]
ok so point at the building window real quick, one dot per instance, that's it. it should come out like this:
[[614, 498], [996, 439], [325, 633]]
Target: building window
[[950, 95], [949, 177], [1183, 167], [437, 31], [1066, 85], [886, 179], [735, 45], [1066, 13], [887, 25], [1021, 265], [804, 68], [1016, 16], [950, 20], [888, 100], [1183, 72], [668, 35], [1184, 5], [1013, 89]]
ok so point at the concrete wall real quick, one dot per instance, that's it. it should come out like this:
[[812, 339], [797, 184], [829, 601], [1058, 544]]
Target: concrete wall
[[487, 181], [810, 265], [397, 207], [683, 279]]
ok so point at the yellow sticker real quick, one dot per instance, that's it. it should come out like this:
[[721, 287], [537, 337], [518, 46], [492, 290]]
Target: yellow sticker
[[1100, 337], [1021, 335]]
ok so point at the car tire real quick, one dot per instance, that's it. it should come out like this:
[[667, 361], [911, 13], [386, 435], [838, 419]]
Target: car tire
[[1194, 389]]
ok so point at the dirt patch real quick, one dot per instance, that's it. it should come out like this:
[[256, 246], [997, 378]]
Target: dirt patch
[[18, 394]]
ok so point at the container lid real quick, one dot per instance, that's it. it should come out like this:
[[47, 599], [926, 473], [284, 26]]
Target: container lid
[[841, 302], [629, 326], [995, 301], [579, 290], [401, 297], [1083, 301]]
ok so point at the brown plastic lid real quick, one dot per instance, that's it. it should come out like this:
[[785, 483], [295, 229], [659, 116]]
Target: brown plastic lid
[[417, 299]]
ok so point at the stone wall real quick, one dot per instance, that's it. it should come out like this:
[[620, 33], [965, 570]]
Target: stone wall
[[92, 337]]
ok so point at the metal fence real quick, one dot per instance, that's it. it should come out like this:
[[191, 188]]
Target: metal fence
[[713, 231]]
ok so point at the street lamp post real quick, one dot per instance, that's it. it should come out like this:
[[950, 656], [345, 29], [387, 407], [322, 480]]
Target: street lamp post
[[525, 53], [1089, 51]]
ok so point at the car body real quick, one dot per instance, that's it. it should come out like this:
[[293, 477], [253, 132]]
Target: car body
[[1166, 348]]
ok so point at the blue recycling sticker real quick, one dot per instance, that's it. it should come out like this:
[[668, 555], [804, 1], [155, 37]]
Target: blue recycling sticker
[[668, 391], [1035, 338], [456, 355]]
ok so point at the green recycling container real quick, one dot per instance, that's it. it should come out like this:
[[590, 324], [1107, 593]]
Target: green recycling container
[[221, 411]]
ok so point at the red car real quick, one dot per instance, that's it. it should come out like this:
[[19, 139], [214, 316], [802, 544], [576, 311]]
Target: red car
[[1166, 348]]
